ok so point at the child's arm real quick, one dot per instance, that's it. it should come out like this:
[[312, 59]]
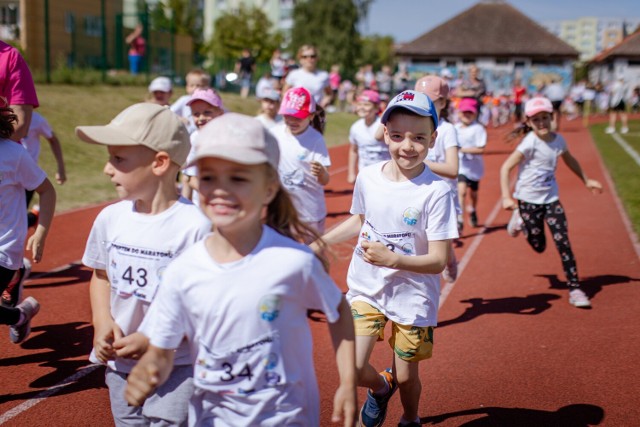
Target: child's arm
[[346, 230], [320, 172], [352, 164], [105, 329], [512, 161], [377, 253], [47, 195], [591, 184], [472, 150], [448, 169], [150, 372], [343, 337], [132, 346], [56, 149]]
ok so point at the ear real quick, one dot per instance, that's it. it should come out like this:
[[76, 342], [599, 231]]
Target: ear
[[161, 163], [273, 186], [386, 136], [434, 135]]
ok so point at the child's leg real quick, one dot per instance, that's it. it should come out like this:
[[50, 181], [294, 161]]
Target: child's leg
[[462, 191], [369, 328], [533, 224], [557, 222], [408, 378]]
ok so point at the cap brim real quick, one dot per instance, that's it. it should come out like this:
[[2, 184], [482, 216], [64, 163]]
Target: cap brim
[[295, 113], [104, 135], [412, 108], [535, 111], [243, 156]]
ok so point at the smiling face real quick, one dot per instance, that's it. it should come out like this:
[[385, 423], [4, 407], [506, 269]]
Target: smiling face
[[308, 59], [366, 110], [203, 112], [233, 195], [541, 125], [409, 138], [269, 107], [130, 170]]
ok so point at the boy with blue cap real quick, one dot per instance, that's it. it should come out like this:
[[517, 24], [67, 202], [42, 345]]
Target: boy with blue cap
[[404, 216]]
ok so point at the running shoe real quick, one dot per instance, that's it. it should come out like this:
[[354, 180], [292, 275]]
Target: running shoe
[[578, 298], [515, 224], [473, 219], [374, 410], [19, 332], [624, 129], [609, 130], [12, 294]]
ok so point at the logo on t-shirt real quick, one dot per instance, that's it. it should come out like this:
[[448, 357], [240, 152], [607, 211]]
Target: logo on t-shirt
[[269, 307], [410, 216]]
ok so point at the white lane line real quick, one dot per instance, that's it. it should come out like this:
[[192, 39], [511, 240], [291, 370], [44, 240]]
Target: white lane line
[[46, 393], [462, 264], [626, 147]]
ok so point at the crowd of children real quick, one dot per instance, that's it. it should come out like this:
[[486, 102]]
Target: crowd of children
[[199, 294]]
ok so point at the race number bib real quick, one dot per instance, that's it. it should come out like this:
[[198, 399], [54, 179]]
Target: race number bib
[[400, 242], [136, 271], [245, 370]]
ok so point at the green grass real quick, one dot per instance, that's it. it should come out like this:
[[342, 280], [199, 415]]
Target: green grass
[[624, 171], [66, 107]]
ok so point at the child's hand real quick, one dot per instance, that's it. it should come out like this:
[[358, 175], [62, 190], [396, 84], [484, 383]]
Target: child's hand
[[132, 346], [594, 186], [345, 405], [36, 244], [378, 254], [61, 177], [141, 382], [351, 178], [103, 337], [319, 171], [509, 203]]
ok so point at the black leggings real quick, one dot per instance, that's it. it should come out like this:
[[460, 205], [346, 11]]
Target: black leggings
[[534, 216], [8, 315]]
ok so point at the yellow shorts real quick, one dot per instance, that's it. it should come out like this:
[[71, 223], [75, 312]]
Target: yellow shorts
[[410, 343]]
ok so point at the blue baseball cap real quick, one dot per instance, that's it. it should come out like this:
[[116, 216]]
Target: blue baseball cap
[[416, 102]]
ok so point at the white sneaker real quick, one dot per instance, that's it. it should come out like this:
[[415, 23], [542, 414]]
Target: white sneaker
[[609, 130], [515, 224], [19, 332], [578, 298], [624, 130]]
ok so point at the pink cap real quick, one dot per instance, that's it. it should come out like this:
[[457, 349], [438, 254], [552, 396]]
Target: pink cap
[[369, 95], [207, 95], [297, 102], [433, 86], [537, 105], [468, 104]]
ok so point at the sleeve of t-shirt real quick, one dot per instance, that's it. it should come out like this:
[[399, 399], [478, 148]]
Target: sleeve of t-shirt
[[20, 87], [352, 135], [481, 136], [95, 252], [321, 152], [43, 128], [165, 323], [450, 138], [321, 292], [563, 143], [526, 146], [357, 201], [29, 174], [441, 213]]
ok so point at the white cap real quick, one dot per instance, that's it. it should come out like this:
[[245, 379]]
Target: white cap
[[160, 84]]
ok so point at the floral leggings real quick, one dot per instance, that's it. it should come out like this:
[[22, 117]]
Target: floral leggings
[[534, 216]]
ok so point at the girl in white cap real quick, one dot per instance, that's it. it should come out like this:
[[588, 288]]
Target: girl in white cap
[[240, 296], [536, 199]]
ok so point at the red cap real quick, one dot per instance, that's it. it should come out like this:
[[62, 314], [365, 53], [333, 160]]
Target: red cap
[[297, 102]]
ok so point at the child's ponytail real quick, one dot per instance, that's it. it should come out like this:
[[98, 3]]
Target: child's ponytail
[[517, 133], [7, 119]]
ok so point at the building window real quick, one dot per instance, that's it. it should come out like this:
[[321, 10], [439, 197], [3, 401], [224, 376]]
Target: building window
[[93, 26], [9, 14], [69, 22]]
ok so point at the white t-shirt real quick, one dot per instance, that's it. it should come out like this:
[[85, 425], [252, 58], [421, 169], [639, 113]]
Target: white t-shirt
[[135, 250], [405, 216], [537, 173], [447, 138], [39, 127], [314, 82], [246, 324], [181, 108], [296, 152], [18, 172], [474, 135], [370, 150], [267, 121]]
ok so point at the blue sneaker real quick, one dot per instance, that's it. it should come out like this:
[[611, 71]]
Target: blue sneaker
[[374, 410]]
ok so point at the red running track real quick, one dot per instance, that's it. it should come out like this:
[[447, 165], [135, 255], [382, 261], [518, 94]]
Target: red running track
[[510, 350]]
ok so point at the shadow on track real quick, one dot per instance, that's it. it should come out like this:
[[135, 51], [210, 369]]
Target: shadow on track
[[591, 285]]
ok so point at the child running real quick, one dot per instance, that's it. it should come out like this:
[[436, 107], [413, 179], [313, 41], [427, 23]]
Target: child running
[[472, 138], [205, 105], [240, 296], [536, 189], [405, 218], [304, 158], [443, 157], [365, 149], [19, 172], [130, 244]]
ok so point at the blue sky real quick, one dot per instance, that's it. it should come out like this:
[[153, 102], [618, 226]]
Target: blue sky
[[408, 19]]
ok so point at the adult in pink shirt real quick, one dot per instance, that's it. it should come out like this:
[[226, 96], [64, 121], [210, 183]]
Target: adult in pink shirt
[[16, 86]]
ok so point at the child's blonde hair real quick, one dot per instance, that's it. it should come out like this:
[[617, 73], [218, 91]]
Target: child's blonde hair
[[205, 78]]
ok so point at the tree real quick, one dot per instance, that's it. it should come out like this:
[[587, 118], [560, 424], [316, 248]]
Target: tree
[[179, 17], [376, 50], [248, 28], [331, 27]]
